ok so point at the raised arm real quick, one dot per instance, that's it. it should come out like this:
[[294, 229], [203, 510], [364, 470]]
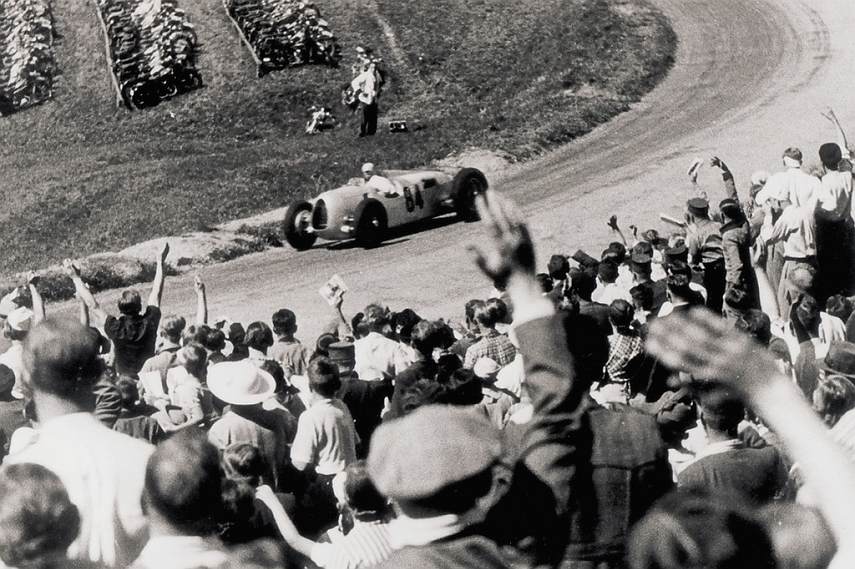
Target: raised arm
[[159, 277], [727, 176], [38, 301], [284, 524], [201, 301], [841, 134], [557, 434], [707, 347], [85, 294]]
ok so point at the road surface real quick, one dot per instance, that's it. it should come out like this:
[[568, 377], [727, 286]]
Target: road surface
[[750, 79]]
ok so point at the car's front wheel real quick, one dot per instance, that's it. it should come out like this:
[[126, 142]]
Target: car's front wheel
[[371, 225], [297, 226], [467, 185]]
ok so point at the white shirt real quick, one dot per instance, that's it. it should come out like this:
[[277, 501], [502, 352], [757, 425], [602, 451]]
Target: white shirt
[[835, 195], [326, 437], [181, 552], [512, 376], [608, 293], [365, 84], [103, 472], [375, 357], [793, 184], [13, 359]]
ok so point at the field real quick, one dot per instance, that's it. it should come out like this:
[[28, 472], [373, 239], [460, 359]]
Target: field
[[79, 176]]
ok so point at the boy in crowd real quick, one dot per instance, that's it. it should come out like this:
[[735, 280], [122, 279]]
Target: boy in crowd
[[287, 350]]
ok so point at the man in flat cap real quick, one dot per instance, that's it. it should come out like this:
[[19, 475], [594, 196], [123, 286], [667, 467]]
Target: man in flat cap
[[458, 504], [703, 239]]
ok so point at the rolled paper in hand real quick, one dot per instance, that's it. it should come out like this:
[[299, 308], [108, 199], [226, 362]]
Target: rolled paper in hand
[[673, 221]]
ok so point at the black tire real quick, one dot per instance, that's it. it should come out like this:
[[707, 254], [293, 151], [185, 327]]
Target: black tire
[[467, 185], [297, 237], [371, 223]]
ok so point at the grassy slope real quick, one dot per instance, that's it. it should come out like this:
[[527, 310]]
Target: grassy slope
[[78, 175]]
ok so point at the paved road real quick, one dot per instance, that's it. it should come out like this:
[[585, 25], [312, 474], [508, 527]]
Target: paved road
[[750, 79]]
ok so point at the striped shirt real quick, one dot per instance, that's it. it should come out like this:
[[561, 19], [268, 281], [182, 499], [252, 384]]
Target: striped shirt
[[367, 544]]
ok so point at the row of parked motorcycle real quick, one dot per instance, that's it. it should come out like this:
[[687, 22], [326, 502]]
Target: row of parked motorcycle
[[26, 54], [153, 48], [284, 33]]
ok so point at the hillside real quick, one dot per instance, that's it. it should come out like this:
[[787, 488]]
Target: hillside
[[79, 176]]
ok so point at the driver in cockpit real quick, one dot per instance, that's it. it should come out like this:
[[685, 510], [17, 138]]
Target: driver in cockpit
[[375, 179]]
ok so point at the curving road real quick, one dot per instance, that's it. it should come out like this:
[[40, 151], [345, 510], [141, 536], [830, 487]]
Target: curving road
[[750, 79]]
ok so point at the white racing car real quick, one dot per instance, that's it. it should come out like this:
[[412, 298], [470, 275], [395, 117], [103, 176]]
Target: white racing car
[[365, 213]]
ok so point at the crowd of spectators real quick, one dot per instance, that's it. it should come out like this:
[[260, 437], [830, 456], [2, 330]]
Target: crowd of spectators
[[681, 402], [26, 52]]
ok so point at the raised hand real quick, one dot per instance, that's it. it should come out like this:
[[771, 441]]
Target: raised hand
[[164, 251], [508, 248], [612, 223], [71, 268], [707, 347], [32, 278], [717, 162], [830, 116]]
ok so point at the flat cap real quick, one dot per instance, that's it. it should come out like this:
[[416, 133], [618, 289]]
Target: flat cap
[[418, 455], [698, 205]]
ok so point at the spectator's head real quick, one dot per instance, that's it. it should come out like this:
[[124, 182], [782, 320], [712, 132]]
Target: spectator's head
[[679, 289], [214, 340], [487, 315], [237, 335], [583, 284], [429, 471], [501, 309], [183, 485], [404, 322], [277, 372], [343, 355], [720, 413], [323, 343], [607, 272], [756, 324], [698, 208], [18, 324], [427, 336], [840, 360], [38, 522], [833, 397], [469, 310], [621, 315], [792, 157], [355, 489], [172, 328], [259, 336], [693, 530], [801, 539], [445, 366], [545, 282], [240, 383], [558, 267], [588, 345], [839, 306], [642, 296], [806, 310], [193, 358], [284, 322], [127, 388], [618, 252], [738, 300], [641, 265], [324, 378], [376, 319], [244, 462], [679, 252], [130, 303], [830, 155], [730, 210], [368, 170], [61, 360]]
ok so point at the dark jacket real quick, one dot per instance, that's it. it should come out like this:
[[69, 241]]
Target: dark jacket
[[739, 271], [757, 474], [528, 525], [364, 400], [626, 472]]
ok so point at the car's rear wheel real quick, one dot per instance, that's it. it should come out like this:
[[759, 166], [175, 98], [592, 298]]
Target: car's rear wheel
[[297, 226], [371, 224], [467, 185]]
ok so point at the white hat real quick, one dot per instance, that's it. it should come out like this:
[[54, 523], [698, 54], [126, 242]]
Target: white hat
[[7, 303], [20, 319], [368, 167], [240, 383]]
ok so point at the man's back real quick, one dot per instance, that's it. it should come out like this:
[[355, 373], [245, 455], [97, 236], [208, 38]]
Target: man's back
[[756, 473], [628, 471], [103, 472], [261, 429]]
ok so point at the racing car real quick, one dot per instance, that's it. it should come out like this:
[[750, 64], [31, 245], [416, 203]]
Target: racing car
[[364, 213]]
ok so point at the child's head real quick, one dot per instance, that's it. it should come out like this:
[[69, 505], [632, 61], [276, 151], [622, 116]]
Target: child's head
[[323, 377], [284, 322]]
